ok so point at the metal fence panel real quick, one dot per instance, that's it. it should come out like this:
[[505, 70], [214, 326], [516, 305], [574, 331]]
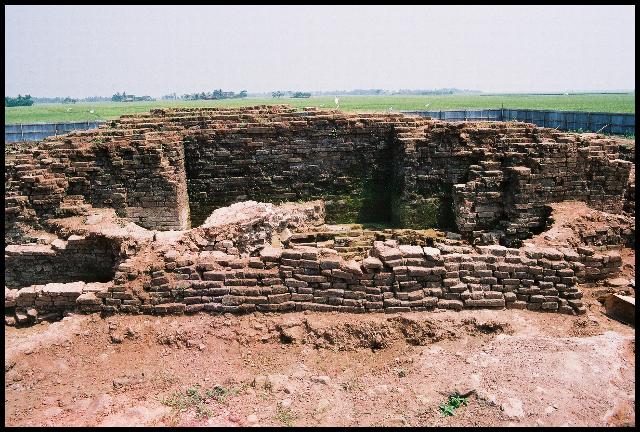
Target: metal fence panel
[[616, 123], [40, 131]]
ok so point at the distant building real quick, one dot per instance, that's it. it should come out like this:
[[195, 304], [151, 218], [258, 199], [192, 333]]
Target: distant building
[[133, 98]]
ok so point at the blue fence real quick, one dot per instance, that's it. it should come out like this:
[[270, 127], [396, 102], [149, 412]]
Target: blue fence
[[614, 123], [38, 131]]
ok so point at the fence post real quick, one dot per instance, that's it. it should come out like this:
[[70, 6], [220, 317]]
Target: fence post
[[610, 122]]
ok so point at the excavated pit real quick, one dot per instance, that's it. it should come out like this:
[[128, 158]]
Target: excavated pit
[[269, 209]]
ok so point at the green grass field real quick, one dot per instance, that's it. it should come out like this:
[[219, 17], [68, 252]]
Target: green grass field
[[50, 113]]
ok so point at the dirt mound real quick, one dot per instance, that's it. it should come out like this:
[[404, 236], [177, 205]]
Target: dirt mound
[[473, 326], [334, 333], [573, 223], [381, 333]]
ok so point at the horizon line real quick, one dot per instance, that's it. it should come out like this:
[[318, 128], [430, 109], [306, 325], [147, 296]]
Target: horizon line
[[331, 92]]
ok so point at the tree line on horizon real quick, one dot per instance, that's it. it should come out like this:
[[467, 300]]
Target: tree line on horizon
[[371, 92], [214, 95], [18, 101], [220, 94]]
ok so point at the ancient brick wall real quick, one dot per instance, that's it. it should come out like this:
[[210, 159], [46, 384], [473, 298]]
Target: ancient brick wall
[[139, 174], [156, 169], [226, 265], [500, 176], [344, 161], [394, 278], [37, 302], [76, 259], [630, 195]]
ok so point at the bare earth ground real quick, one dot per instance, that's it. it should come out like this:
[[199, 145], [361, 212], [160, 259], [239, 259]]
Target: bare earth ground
[[526, 368]]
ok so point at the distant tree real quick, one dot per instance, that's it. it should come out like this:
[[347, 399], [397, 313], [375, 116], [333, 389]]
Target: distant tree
[[277, 94], [301, 95], [18, 101], [215, 94]]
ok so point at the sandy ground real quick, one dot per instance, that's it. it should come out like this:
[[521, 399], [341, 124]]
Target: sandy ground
[[519, 368]]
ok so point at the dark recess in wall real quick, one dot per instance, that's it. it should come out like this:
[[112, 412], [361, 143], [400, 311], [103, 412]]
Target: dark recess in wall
[[92, 261]]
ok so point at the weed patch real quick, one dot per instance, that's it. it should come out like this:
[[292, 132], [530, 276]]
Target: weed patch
[[284, 415], [197, 398], [454, 402]]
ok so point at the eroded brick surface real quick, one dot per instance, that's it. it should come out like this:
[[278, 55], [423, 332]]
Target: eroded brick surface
[[170, 169]]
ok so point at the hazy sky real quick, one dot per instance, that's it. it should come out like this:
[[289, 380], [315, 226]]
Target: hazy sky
[[82, 51]]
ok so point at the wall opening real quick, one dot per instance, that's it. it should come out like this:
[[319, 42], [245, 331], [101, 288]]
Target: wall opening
[[353, 173], [86, 260], [380, 187], [198, 199]]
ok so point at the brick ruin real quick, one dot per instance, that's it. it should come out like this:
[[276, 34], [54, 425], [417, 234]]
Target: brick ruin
[[272, 209]]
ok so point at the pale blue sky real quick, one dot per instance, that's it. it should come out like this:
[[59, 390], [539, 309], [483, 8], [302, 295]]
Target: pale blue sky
[[82, 51]]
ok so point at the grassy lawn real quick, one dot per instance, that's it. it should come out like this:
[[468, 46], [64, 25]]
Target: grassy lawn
[[50, 113]]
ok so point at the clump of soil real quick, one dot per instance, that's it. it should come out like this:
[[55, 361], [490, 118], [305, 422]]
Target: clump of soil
[[487, 327], [583, 327]]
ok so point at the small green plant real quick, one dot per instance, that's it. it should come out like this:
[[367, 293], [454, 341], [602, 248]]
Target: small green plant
[[176, 400], [219, 393], [264, 394], [454, 402], [193, 398], [202, 411], [284, 415]]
